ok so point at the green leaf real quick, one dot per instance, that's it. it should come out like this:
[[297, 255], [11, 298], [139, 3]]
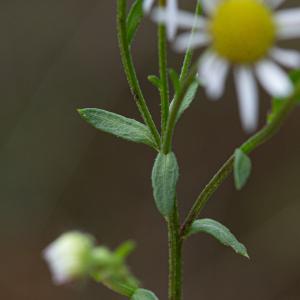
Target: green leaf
[[220, 233], [164, 180], [175, 80], [242, 168], [118, 125], [125, 249], [188, 99], [134, 19], [155, 81], [142, 294]]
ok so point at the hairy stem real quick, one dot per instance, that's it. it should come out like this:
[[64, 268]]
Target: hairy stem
[[130, 71], [163, 71], [251, 144], [175, 256]]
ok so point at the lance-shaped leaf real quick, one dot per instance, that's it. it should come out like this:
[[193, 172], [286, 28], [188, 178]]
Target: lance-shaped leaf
[[142, 294], [134, 19], [188, 99], [165, 175], [220, 233], [118, 125], [242, 168]]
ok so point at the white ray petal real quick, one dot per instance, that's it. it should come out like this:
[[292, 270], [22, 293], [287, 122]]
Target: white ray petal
[[273, 79], [147, 5], [247, 93], [209, 6], [191, 40], [213, 71], [274, 3], [288, 23], [171, 24], [183, 19], [287, 58]]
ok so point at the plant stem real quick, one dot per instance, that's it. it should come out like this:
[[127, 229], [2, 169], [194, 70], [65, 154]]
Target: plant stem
[[179, 97], [175, 256], [130, 70], [251, 144], [163, 71], [189, 52]]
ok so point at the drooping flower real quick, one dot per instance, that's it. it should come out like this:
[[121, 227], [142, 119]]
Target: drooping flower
[[242, 34], [69, 257]]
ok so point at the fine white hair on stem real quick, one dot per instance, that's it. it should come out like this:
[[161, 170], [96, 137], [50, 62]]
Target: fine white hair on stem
[[247, 95], [273, 79]]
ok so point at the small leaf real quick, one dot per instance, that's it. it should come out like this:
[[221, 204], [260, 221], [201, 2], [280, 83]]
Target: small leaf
[[125, 249], [188, 99], [155, 81], [220, 233], [175, 79], [142, 294], [164, 180], [134, 19], [242, 168], [118, 125]]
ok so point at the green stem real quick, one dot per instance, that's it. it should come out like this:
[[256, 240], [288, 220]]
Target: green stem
[[251, 144], [189, 53], [130, 70], [179, 97], [163, 72], [175, 256]]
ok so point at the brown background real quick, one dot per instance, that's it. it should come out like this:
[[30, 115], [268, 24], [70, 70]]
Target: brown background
[[57, 173]]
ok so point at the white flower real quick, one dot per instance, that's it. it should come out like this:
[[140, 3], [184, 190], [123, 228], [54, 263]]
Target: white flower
[[169, 16], [147, 5], [69, 257], [242, 34]]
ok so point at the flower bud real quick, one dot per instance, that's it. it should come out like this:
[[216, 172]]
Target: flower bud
[[70, 256]]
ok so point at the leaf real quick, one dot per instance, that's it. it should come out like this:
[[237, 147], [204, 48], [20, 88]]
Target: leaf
[[188, 99], [142, 294], [125, 249], [175, 80], [155, 81], [134, 19], [118, 125], [220, 233], [242, 168], [164, 180]]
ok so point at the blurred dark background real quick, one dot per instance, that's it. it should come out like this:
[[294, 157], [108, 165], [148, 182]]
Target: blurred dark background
[[57, 173]]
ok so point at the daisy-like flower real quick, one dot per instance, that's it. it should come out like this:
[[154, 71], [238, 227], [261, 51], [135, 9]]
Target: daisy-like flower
[[70, 256], [242, 34]]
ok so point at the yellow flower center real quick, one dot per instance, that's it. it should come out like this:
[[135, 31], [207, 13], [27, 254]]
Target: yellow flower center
[[243, 31]]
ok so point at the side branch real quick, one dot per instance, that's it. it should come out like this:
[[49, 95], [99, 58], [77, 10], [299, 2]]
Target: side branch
[[251, 144]]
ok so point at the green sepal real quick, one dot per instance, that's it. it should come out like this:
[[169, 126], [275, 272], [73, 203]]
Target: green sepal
[[134, 19], [142, 294], [220, 233], [242, 168], [165, 175], [120, 126]]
